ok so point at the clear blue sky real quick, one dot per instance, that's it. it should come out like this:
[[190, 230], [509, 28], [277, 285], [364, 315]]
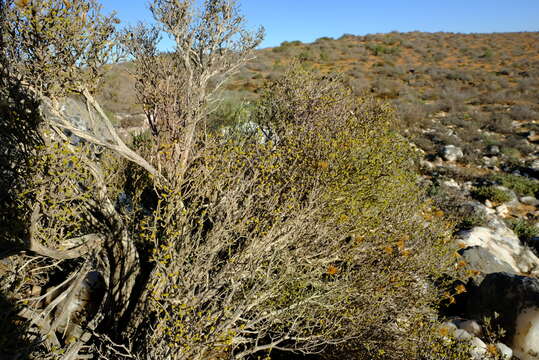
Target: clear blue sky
[[307, 20]]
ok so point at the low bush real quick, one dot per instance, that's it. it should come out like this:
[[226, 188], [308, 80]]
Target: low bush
[[500, 123], [456, 207], [521, 112], [524, 229], [521, 185], [492, 193]]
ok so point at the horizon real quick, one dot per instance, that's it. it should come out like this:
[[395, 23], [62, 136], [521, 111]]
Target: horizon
[[285, 21]]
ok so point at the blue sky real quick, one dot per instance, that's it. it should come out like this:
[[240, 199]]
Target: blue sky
[[307, 20]]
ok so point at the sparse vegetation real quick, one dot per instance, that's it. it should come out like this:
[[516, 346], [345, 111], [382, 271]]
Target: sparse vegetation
[[519, 184]]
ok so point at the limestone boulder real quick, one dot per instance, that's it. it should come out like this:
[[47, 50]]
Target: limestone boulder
[[512, 302]]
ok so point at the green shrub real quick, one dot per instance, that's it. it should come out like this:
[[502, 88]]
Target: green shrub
[[519, 184], [491, 193], [524, 229]]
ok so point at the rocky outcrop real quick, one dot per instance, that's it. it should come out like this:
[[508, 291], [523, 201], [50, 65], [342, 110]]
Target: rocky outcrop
[[512, 302], [482, 261], [503, 244]]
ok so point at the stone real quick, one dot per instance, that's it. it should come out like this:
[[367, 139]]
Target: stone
[[515, 300], [449, 327], [471, 326], [478, 349], [505, 352], [451, 183], [488, 203], [427, 164], [529, 200], [452, 153], [533, 137], [493, 150], [503, 244], [502, 210], [480, 259], [526, 340], [534, 165], [462, 335], [467, 186]]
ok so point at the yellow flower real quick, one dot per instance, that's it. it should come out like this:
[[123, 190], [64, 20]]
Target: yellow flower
[[332, 270]]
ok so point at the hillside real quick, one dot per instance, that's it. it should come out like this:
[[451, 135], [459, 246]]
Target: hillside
[[476, 84]]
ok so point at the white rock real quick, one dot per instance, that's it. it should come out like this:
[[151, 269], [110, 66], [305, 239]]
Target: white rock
[[505, 351], [529, 200], [471, 326], [526, 340], [452, 153], [478, 348], [488, 203], [451, 183], [462, 335], [449, 326], [502, 210], [503, 243], [535, 165], [468, 186], [427, 164]]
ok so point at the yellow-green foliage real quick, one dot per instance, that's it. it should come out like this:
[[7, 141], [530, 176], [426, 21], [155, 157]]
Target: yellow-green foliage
[[63, 188], [306, 239], [58, 46]]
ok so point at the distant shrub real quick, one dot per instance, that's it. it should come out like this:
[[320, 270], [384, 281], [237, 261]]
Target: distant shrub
[[523, 112], [346, 36], [521, 185], [527, 84], [491, 193], [498, 97], [500, 123], [378, 49], [386, 88], [324, 56], [487, 54], [306, 55], [323, 39], [455, 98], [230, 113], [518, 143], [291, 43], [513, 154], [411, 115]]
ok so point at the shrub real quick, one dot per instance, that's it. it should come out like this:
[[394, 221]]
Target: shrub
[[500, 123], [524, 229], [378, 49], [300, 237], [456, 207], [519, 184], [491, 193], [522, 112], [300, 241]]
